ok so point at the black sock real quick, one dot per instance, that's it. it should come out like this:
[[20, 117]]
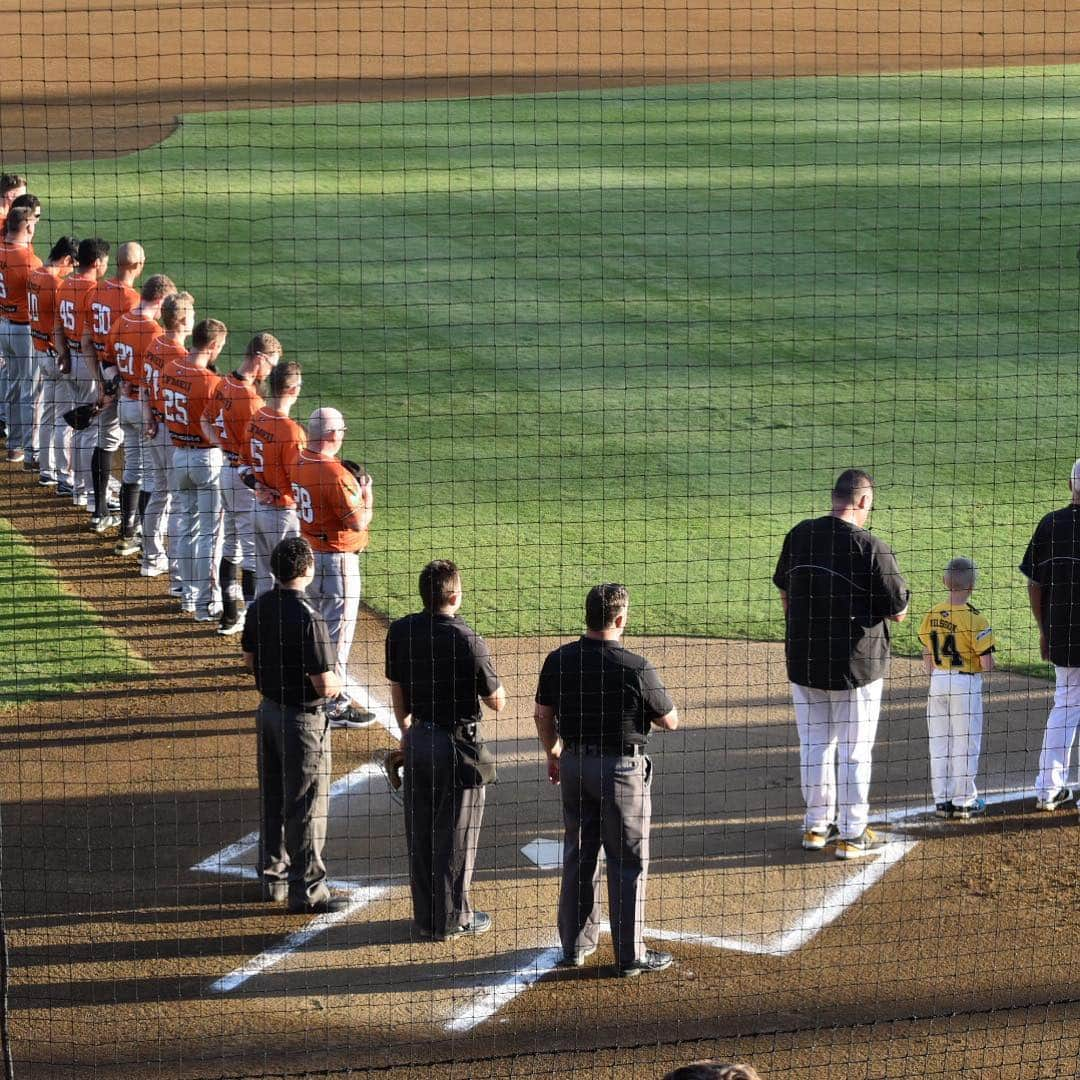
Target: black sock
[[230, 602], [129, 501], [144, 502], [101, 487], [247, 577]]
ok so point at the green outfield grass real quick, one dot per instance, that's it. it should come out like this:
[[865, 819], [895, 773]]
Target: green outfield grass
[[54, 643], [634, 334]]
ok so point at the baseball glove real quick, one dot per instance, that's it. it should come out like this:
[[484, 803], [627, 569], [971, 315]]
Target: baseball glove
[[247, 478], [82, 416], [356, 469]]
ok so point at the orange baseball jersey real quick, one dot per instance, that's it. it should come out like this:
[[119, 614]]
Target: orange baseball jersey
[[236, 401], [326, 495], [160, 353], [187, 391], [16, 263], [109, 301], [71, 309], [272, 446], [41, 289], [130, 338]]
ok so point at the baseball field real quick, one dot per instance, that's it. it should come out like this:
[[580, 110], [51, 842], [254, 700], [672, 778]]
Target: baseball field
[[604, 293]]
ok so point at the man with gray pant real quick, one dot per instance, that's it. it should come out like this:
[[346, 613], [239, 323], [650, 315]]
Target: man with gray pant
[[287, 650], [595, 703], [440, 670]]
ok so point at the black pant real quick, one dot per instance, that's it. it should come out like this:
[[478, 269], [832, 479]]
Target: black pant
[[294, 789], [442, 827], [607, 802]]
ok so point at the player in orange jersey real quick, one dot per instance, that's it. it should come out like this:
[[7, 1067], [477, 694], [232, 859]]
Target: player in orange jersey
[[274, 442], [236, 401], [17, 261], [129, 340], [178, 318], [79, 376], [113, 297], [54, 435], [334, 505], [187, 387], [12, 185]]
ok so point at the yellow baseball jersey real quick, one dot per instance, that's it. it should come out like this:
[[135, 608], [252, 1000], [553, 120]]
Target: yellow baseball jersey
[[956, 637]]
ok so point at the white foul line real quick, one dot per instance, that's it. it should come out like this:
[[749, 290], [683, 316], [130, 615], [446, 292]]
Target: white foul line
[[491, 1000]]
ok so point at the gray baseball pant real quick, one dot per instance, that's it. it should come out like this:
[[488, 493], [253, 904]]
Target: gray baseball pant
[[157, 465], [335, 594], [442, 828], [84, 390], [21, 385], [197, 498], [272, 525], [129, 413], [607, 802], [238, 527], [294, 793], [54, 435]]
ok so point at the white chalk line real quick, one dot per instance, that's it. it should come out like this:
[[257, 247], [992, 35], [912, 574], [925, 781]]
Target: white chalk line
[[489, 1001]]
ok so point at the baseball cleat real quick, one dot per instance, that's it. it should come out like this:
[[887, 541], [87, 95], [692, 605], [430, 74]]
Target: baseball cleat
[[45, 480], [15, 456], [235, 627], [64, 488], [187, 607], [974, 809], [152, 570], [858, 847], [30, 464], [943, 809], [1053, 802], [127, 545], [205, 615], [577, 958], [819, 839], [103, 523], [81, 501]]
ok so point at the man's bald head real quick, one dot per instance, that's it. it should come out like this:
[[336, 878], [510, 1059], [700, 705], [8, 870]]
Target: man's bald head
[[130, 255], [324, 423]]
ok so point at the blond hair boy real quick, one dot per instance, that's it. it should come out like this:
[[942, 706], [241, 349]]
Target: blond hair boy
[[958, 646]]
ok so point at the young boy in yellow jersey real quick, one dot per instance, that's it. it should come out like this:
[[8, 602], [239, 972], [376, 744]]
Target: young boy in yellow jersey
[[958, 646]]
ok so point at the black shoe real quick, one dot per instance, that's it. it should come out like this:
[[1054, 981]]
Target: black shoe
[[480, 924], [577, 958], [943, 810], [351, 717], [320, 907], [651, 961]]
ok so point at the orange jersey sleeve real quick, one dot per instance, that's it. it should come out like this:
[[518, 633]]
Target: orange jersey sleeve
[[187, 391], [129, 340], [71, 308], [161, 352], [105, 305], [16, 263], [236, 401], [41, 290], [273, 445], [326, 496]]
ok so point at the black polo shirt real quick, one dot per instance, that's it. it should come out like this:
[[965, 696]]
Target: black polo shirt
[[1052, 560], [289, 642], [842, 585], [602, 693], [443, 665]]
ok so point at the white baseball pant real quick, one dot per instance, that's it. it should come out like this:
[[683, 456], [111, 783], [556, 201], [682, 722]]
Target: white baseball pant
[[954, 722], [836, 741], [1060, 733], [239, 505], [21, 385], [129, 414], [335, 594], [157, 466], [84, 390], [54, 435], [193, 525], [272, 525]]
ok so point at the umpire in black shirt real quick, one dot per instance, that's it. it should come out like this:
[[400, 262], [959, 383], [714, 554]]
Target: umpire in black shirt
[[440, 670], [594, 706], [287, 648]]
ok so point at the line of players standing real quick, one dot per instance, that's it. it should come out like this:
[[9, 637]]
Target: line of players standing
[[213, 476]]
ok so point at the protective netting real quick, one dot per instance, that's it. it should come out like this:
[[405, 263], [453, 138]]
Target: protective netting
[[584, 294]]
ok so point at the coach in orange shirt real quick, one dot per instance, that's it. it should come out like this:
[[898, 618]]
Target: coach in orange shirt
[[236, 402], [188, 387], [54, 435], [274, 441], [334, 506], [17, 261]]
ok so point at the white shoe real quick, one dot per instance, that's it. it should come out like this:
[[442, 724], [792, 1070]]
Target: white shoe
[[228, 629], [151, 570], [103, 523]]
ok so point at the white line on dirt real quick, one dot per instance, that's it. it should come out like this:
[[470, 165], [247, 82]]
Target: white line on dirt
[[493, 998]]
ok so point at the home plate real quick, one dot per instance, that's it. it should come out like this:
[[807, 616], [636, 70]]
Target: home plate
[[545, 852]]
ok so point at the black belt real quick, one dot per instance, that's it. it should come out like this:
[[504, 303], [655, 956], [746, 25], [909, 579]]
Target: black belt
[[464, 727], [599, 749], [299, 708], [16, 322]]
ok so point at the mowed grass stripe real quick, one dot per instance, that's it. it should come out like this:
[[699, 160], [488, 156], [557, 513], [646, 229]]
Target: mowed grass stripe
[[634, 334], [53, 642]]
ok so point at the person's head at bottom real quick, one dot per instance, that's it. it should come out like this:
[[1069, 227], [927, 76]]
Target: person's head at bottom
[[292, 563], [440, 587], [606, 607], [713, 1070]]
